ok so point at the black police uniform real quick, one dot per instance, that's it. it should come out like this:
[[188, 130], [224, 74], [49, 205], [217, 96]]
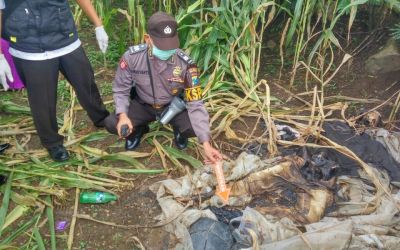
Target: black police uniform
[[36, 26]]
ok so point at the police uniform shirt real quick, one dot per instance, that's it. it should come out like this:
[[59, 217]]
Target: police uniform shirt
[[170, 78]]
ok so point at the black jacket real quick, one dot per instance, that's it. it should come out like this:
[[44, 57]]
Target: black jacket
[[38, 25]]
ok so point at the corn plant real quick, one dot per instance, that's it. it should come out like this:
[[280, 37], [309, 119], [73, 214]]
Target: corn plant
[[396, 32], [224, 40], [137, 26]]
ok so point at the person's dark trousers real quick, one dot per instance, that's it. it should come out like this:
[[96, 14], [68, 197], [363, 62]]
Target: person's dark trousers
[[41, 78], [142, 114]]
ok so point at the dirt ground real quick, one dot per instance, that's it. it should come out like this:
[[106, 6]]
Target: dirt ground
[[138, 205]]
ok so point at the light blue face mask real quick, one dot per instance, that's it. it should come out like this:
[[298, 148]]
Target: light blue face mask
[[163, 54]]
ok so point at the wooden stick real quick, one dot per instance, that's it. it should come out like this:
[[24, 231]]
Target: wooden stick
[[348, 98], [74, 216]]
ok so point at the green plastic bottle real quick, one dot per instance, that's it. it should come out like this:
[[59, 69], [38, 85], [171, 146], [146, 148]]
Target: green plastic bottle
[[96, 197]]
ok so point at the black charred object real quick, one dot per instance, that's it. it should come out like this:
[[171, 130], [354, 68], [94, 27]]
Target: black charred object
[[208, 234]]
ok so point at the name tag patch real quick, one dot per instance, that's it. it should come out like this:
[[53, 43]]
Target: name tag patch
[[193, 94], [176, 79], [140, 72]]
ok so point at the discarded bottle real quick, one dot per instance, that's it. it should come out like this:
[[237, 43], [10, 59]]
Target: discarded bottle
[[96, 197]]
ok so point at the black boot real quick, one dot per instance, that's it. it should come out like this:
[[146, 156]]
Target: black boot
[[181, 141], [3, 179], [58, 153], [3, 147], [133, 140]]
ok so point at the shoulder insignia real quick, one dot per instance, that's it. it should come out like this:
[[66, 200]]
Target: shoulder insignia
[[185, 57], [137, 48]]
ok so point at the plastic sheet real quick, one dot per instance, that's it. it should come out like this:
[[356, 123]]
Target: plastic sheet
[[390, 140], [287, 210]]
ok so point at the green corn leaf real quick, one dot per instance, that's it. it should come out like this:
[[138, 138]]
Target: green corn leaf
[[184, 156], [14, 215], [295, 22], [20, 230], [8, 247], [6, 200], [344, 10], [333, 38], [315, 48], [117, 157], [38, 238], [207, 57], [50, 216], [194, 6], [10, 107], [97, 136]]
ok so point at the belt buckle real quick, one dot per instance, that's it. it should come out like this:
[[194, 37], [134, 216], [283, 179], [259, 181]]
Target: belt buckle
[[157, 106]]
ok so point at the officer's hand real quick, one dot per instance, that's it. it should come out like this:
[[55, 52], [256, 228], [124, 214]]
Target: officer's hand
[[5, 72], [124, 120], [212, 154], [102, 38]]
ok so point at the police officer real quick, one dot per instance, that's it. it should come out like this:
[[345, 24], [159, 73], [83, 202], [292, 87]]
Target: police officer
[[44, 41], [159, 70]]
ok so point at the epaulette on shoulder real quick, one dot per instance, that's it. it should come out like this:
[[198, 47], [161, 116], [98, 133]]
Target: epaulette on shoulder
[[182, 55], [137, 48]]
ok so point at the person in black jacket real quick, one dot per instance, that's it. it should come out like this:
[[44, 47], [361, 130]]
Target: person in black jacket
[[43, 41]]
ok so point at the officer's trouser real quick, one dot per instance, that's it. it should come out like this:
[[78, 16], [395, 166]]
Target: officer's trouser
[[41, 78], [142, 114]]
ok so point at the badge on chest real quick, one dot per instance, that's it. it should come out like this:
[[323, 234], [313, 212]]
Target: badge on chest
[[176, 75], [177, 71]]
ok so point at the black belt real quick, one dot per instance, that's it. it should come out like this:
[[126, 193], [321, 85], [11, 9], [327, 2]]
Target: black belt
[[155, 106]]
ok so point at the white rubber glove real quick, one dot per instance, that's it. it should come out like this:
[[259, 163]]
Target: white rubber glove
[[5, 72], [102, 38]]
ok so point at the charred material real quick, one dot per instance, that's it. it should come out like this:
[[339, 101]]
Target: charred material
[[318, 166], [226, 214], [286, 192], [370, 151], [210, 234]]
